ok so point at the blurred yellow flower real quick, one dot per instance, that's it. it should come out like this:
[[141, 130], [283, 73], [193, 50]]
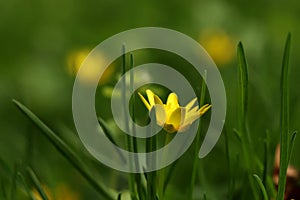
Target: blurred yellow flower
[[219, 45], [95, 64], [171, 116], [37, 195], [62, 192]]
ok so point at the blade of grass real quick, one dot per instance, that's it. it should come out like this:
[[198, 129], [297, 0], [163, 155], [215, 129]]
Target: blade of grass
[[230, 176], [131, 179], [37, 184], [204, 196], [243, 88], [108, 134], [25, 185], [3, 192], [137, 176], [291, 146], [14, 182], [119, 196], [150, 147], [197, 141], [266, 158], [169, 175], [284, 119], [261, 186], [64, 149], [166, 171], [242, 113], [5, 170]]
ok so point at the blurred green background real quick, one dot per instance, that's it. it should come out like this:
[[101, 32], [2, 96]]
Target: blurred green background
[[42, 40]]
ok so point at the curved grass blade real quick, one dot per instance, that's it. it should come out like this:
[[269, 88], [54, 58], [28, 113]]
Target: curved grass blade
[[37, 184], [64, 149], [261, 186], [284, 119], [108, 134]]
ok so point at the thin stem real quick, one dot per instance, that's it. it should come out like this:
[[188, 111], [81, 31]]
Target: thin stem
[[126, 120], [242, 114], [197, 142], [133, 129], [151, 161], [162, 173], [261, 186], [284, 120]]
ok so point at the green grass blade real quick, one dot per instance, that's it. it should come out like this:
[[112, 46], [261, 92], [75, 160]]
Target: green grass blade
[[131, 179], [14, 182], [243, 88], [119, 196], [261, 186], [169, 175], [25, 185], [197, 141], [108, 134], [266, 158], [284, 119], [291, 146], [37, 184], [137, 176], [238, 135], [150, 147], [3, 192], [66, 152], [5, 170], [229, 165], [242, 113]]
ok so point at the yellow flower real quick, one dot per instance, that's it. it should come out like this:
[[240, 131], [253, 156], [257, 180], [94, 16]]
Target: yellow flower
[[62, 192], [219, 45], [171, 116], [95, 64]]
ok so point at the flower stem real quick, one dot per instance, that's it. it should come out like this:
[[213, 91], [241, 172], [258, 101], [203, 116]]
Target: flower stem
[[162, 173], [151, 161]]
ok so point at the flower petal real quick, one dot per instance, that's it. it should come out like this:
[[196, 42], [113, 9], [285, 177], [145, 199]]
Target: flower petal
[[145, 101], [150, 96], [204, 109], [172, 101], [160, 114], [177, 117], [190, 104], [157, 100], [191, 118]]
